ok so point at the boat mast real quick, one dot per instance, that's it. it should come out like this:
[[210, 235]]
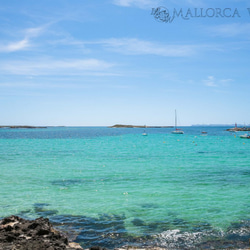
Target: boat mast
[[175, 120]]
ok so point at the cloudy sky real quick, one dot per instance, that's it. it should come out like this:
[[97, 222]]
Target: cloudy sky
[[102, 62]]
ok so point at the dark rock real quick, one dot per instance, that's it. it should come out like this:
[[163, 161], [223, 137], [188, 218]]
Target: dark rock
[[20, 234], [97, 248], [138, 222]]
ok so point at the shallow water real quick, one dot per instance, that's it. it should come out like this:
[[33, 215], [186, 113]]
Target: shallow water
[[115, 187]]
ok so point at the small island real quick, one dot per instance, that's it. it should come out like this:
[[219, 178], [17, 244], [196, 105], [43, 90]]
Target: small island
[[237, 129], [137, 126]]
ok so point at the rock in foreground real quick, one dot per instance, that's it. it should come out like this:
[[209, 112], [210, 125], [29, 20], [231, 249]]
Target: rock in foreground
[[20, 234]]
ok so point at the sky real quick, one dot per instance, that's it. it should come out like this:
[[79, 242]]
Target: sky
[[106, 62]]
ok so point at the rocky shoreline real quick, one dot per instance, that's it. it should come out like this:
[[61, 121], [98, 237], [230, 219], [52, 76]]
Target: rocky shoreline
[[19, 234]]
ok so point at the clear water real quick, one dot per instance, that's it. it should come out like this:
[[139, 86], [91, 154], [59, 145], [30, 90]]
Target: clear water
[[115, 187]]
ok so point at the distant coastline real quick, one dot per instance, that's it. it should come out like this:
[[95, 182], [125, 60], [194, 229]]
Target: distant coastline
[[235, 129], [22, 126], [137, 126]]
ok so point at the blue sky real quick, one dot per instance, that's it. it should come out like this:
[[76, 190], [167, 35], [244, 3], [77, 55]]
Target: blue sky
[[102, 62]]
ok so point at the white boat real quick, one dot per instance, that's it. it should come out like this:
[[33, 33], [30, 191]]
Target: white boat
[[144, 133], [245, 136], [177, 130]]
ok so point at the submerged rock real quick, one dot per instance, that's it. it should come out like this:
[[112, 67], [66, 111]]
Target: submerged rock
[[20, 234]]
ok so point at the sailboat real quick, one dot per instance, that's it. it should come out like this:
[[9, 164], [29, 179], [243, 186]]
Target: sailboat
[[177, 131], [144, 133]]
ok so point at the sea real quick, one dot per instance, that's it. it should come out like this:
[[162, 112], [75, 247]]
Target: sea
[[114, 187]]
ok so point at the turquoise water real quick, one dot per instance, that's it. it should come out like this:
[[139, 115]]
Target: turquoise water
[[115, 187]]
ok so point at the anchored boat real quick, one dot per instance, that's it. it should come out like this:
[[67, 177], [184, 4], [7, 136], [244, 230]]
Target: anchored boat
[[245, 136], [177, 130]]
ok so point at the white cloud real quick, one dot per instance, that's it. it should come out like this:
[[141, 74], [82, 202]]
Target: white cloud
[[59, 67], [34, 32], [230, 30], [152, 3], [195, 2], [133, 46], [125, 3], [15, 46], [25, 43], [225, 82], [211, 81], [137, 3]]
